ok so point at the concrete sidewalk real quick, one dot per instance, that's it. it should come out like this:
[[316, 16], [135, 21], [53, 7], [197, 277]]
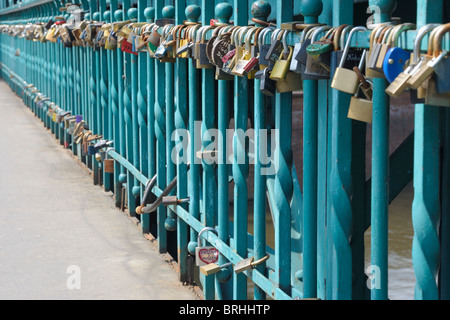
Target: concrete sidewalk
[[58, 231]]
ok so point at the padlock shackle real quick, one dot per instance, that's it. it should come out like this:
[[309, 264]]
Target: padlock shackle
[[349, 41], [284, 41], [193, 32], [240, 35], [338, 35], [437, 41], [262, 35], [203, 33], [206, 229], [404, 27], [276, 35], [342, 37], [248, 37], [418, 41], [318, 31]]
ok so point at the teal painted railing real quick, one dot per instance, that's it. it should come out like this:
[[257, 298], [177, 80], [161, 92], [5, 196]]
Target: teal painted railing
[[129, 115]]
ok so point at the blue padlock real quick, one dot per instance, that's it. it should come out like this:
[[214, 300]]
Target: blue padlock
[[91, 150], [394, 63]]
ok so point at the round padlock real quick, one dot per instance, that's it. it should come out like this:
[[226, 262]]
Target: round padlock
[[394, 63]]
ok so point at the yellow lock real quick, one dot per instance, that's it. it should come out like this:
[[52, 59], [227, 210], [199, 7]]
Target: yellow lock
[[281, 67]]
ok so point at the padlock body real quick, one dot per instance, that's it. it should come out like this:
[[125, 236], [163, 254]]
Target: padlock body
[[360, 110], [345, 80]]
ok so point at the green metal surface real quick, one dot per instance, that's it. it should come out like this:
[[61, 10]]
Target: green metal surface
[[151, 110]]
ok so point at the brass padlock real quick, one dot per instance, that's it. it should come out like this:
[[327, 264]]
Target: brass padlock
[[374, 50], [360, 109], [281, 67], [248, 264], [347, 80], [292, 82]]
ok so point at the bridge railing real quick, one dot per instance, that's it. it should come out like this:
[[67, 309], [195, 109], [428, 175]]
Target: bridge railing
[[196, 149]]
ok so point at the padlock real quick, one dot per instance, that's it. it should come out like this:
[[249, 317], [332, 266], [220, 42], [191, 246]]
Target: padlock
[[220, 50], [425, 71], [292, 82], [313, 70], [205, 255], [360, 109], [267, 85], [346, 80], [301, 56], [202, 58], [276, 48], [400, 84], [213, 268], [376, 39], [396, 58], [248, 264], [415, 81], [321, 50], [281, 67], [108, 165], [173, 201], [264, 48], [381, 49], [441, 76]]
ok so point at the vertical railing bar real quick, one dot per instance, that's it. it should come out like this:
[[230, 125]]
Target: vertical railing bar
[[160, 133], [380, 166], [426, 204], [311, 11], [181, 119], [209, 183], [142, 114], [240, 170]]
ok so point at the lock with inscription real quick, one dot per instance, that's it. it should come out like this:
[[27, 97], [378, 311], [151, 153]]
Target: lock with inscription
[[347, 80], [205, 255]]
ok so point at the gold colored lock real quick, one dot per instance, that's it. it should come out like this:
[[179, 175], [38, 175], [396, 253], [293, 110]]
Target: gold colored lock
[[360, 109], [347, 80], [292, 82], [281, 67]]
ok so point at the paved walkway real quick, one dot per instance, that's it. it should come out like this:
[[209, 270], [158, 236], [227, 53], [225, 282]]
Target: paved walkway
[[59, 232]]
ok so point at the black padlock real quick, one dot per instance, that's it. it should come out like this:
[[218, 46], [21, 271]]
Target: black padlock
[[267, 86], [274, 52]]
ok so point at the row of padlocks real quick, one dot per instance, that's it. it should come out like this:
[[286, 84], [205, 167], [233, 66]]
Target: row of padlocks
[[145, 95]]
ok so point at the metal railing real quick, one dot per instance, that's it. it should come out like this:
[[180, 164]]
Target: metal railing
[[119, 82]]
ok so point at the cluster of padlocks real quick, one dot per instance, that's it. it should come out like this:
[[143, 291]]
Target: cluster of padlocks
[[262, 52], [115, 88]]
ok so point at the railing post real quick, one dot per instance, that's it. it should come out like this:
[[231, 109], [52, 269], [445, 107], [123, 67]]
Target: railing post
[[426, 208], [223, 12], [120, 142], [160, 133], [209, 182], [105, 107], [142, 114], [260, 10], [240, 170], [151, 148], [130, 121], [193, 12], [170, 222], [181, 119], [380, 165], [311, 11]]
